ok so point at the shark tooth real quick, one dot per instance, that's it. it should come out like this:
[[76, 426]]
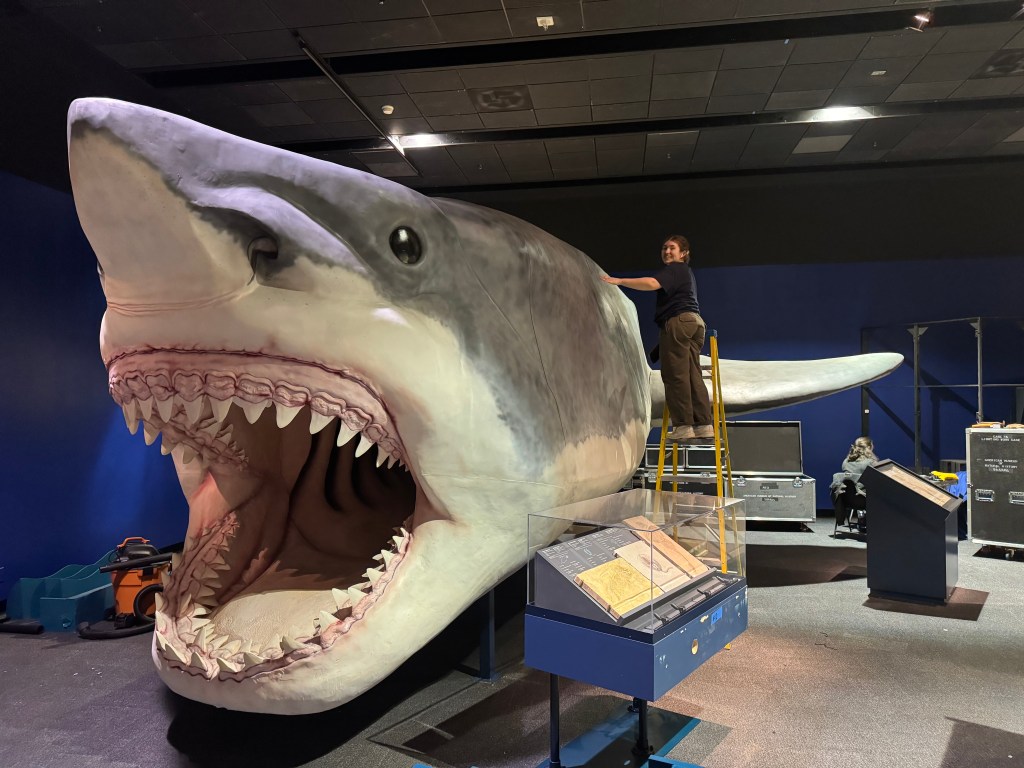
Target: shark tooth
[[288, 645], [146, 408], [252, 410], [193, 409], [161, 623], [165, 408], [285, 414], [130, 419], [225, 665], [388, 557], [373, 575], [203, 637], [161, 642], [174, 653], [165, 578], [233, 647], [364, 445], [398, 540], [198, 623], [158, 601], [345, 434], [166, 446], [187, 454], [251, 660], [220, 408], [218, 559], [318, 421], [197, 661], [204, 591], [150, 433], [175, 561], [200, 610], [342, 599], [326, 619], [219, 641], [381, 455], [391, 461], [355, 594], [212, 429], [186, 604], [379, 555]]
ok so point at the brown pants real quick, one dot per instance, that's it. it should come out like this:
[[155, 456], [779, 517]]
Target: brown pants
[[679, 344]]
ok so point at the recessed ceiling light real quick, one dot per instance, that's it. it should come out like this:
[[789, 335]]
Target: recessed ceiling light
[[878, 72], [421, 140], [545, 22], [387, 109]]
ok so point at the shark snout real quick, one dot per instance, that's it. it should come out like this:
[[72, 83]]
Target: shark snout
[[155, 247]]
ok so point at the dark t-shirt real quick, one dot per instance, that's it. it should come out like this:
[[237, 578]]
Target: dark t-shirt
[[678, 292]]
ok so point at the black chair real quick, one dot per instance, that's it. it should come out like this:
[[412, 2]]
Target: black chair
[[850, 506]]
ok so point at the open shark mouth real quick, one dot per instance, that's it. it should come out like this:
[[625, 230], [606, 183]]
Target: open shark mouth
[[301, 504]]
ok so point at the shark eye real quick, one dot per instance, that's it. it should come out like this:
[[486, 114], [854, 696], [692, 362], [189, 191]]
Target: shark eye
[[405, 244], [262, 248]]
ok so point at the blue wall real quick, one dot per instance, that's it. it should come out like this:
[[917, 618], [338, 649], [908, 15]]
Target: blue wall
[[788, 312], [73, 481]]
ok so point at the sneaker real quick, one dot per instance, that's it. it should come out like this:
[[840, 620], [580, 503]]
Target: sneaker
[[704, 430], [681, 433]]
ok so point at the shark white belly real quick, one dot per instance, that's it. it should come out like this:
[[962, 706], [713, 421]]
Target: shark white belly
[[365, 391]]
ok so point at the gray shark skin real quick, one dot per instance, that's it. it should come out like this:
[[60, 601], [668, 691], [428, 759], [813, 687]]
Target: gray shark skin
[[360, 439]]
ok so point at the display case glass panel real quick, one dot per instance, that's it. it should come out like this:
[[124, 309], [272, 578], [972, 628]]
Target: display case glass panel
[[637, 559]]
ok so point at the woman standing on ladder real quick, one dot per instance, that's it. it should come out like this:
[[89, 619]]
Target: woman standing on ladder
[[677, 314]]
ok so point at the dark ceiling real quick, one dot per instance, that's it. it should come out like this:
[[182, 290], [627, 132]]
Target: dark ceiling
[[611, 89]]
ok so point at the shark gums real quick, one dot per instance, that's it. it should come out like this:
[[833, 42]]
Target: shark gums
[[364, 391]]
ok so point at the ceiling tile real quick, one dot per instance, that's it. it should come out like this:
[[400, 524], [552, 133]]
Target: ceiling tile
[[1017, 41], [671, 139], [309, 89], [228, 16], [524, 153], [443, 103], [311, 13], [490, 77], [139, 55], [336, 110], [407, 126], [277, 114], [697, 10], [978, 37], [894, 71], [373, 85], [620, 90], [563, 115], [740, 82], [442, 123], [945, 67], [443, 7], [678, 107], [924, 91], [808, 77], [663, 160], [480, 163], [202, 50], [635, 141], [697, 60], [577, 160], [274, 43], [466, 27], [567, 17], [387, 163], [620, 162], [819, 50], [560, 95], [435, 161], [618, 14], [621, 66], [555, 71], [900, 44], [798, 99], [437, 80], [521, 119], [860, 96], [736, 104], [604, 113], [989, 87], [354, 129], [507, 98], [812, 144], [752, 55], [682, 85], [336, 38], [251, 93], [374, 10], [301, 132], [883, 134], [1002, 64]]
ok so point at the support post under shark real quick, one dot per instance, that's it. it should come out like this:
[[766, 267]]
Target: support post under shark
[[364, 392]]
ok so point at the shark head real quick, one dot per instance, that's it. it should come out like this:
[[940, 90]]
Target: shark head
[[364, 392]]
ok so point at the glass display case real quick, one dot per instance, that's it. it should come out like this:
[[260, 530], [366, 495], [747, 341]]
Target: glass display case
[[638, 561]]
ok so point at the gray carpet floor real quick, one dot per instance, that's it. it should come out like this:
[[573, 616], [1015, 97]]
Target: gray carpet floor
[[824, 676]]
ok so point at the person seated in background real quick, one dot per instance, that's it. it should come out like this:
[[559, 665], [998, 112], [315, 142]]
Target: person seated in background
[[848, 495]]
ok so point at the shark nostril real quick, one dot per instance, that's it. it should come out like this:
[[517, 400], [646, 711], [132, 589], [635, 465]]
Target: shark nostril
[[405, 244], [262, 248]]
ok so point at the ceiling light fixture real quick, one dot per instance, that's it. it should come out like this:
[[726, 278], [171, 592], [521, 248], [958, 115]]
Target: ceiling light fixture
[[836, 114], [921, 21], [417, 140], [878, 72], [387, 109], [545, 22]]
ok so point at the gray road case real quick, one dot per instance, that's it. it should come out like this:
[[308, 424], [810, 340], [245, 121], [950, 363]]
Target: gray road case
[[995, 486], [767, 461]]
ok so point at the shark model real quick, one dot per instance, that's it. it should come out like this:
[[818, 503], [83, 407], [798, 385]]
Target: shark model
[[364, 392]]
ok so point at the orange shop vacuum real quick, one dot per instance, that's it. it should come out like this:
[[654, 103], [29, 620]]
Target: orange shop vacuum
[[136, 571]]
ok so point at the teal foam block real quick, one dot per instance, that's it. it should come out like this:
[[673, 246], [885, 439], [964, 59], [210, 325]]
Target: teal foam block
[[60, 601]]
